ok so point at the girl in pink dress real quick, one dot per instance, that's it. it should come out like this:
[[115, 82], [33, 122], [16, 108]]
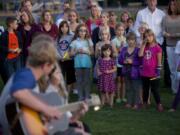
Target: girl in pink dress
[[105, 70]]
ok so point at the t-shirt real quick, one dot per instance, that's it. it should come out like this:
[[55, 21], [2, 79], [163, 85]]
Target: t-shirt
[[59, 18], [58, 22], [13, 44], [23, 79], [93, 26], [150, 60], [63, 45], [171, 26], [36, 18], [119, 43], [82, 60]]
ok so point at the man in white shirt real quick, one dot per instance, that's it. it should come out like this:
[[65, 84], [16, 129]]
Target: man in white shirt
[[153, 17]]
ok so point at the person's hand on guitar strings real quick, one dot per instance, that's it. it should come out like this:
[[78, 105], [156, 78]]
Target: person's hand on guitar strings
[[52, 112], [83, 109]]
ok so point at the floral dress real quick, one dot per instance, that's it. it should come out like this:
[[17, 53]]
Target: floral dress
[[106, 82]]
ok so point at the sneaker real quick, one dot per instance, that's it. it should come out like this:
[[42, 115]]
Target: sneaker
[[118, 100], [171, 110], [128, 106], [135, 107], [160, 108], [75, 91], [124, 100]]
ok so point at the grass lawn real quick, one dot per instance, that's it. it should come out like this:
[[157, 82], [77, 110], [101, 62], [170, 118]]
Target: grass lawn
[[121, 121]]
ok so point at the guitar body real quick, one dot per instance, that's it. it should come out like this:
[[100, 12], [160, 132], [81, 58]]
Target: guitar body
[[25, 121], [32, 122], [29, 121]]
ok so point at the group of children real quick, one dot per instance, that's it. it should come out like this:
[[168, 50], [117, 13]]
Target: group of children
[[126, 67], [136, 67]]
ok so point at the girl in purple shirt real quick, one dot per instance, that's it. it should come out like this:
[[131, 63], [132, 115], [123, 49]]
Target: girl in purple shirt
[[151, 54], [130, 60]]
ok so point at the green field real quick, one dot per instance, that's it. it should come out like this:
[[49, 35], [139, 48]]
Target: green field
[[121, 121]]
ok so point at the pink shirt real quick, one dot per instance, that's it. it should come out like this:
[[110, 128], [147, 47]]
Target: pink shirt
[[150, 61]]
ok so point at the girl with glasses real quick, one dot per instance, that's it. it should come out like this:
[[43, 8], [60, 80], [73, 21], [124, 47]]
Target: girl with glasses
[[81, 50]]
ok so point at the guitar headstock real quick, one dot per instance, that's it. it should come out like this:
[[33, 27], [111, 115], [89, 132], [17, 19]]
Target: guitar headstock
[[95, 100]]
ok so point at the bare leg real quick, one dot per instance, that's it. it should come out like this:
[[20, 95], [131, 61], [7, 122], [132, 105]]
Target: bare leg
[[122, 89], [141, 95], [107, 97], [118, 99], [102, 99], [149, 98], [111, 99]]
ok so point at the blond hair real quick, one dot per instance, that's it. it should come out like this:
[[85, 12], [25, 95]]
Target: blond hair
[[144, 25], [43, 82], [41, 51], [150, 32], [106, 30], [62, 90]]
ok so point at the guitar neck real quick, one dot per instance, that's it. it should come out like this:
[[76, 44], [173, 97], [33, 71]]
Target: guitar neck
[[73, 106]]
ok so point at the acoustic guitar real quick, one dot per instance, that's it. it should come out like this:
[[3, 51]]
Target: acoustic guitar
[[25, 121]]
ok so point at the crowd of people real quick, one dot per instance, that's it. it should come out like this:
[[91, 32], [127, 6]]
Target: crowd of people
[[124, 57]]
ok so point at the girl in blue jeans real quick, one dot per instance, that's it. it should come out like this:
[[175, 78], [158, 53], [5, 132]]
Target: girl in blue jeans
[[82, 49]]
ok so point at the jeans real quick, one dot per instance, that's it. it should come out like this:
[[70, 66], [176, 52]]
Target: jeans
[[132, 91], [12, 66], [2, 72], [172, 61], [83, 83], [176, 99]]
